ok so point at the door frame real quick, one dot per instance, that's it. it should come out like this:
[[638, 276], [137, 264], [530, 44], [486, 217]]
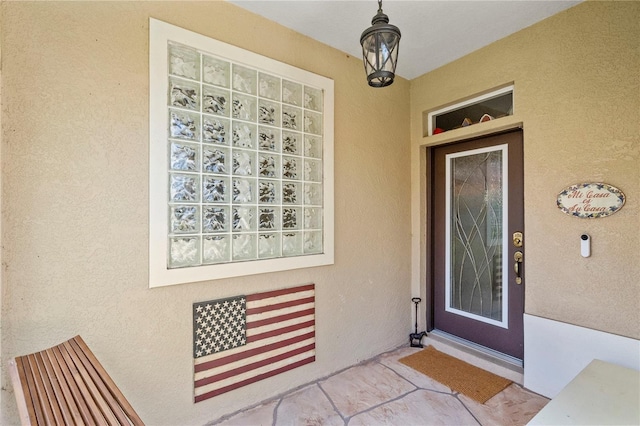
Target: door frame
[[427, 246]]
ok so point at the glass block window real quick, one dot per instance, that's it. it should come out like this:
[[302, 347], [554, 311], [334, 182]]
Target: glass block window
[[241, 161]]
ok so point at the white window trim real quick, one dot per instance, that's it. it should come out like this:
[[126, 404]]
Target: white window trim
[[160, 33]]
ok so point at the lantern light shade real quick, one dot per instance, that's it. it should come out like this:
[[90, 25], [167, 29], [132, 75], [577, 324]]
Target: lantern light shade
[[380, 44]]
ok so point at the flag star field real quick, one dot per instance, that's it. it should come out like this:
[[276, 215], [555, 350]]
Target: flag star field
[[219, 325]]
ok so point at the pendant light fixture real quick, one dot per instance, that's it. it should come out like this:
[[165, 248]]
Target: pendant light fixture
[[380, 43]]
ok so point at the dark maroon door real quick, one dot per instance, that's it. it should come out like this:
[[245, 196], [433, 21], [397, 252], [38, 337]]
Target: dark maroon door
[[478, 241]]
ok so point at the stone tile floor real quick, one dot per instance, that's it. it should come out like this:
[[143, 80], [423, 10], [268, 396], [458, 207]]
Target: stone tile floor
[[383, 391]]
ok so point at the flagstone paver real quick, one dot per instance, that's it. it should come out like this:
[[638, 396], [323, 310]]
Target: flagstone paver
[[421, 407], [261, 415], [514, 406], [363, 387], [308, 406]]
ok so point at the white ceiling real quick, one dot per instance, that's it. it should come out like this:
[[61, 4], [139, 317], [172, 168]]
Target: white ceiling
[[434, 33]]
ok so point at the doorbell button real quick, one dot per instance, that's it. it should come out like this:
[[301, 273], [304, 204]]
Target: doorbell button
[[585, 245]]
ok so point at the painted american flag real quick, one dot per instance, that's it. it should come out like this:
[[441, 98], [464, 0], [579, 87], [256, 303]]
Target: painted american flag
[[241, 340]]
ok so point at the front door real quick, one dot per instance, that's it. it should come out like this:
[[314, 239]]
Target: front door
[[478, 241]]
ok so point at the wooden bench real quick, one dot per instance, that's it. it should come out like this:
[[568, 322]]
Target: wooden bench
[[66, 385]]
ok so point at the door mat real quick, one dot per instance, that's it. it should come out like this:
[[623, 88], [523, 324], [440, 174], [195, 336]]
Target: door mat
[[476, 383]]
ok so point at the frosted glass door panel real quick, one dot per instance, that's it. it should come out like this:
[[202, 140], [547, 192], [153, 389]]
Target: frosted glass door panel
[[476, 199]]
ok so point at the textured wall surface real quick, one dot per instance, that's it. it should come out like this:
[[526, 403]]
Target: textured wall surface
[[577, 94], [75, 204]]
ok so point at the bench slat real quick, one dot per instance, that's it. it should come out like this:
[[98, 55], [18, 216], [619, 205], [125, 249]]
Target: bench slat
[[110, 384], [54, 378], [94, 410], [34, 390], [48, 398], [77, 399], [101, 394]]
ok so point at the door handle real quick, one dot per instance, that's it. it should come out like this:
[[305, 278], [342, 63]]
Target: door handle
[[517, 267]]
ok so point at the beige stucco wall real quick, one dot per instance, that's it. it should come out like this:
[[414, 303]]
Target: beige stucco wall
[[75, 195], [577, 96]]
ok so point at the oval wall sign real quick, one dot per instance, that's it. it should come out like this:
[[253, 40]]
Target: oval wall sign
[[590, 200]]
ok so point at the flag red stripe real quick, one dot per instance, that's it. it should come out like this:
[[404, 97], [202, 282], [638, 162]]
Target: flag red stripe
[[282, 330], [267, 321], [250, 380], [267, 308], [258, 296], [253, 366], [251, 352]]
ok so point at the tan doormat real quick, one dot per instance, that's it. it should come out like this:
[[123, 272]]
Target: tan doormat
[[469, 380]]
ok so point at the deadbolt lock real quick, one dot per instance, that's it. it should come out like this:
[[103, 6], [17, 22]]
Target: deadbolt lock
[[517, 239]]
